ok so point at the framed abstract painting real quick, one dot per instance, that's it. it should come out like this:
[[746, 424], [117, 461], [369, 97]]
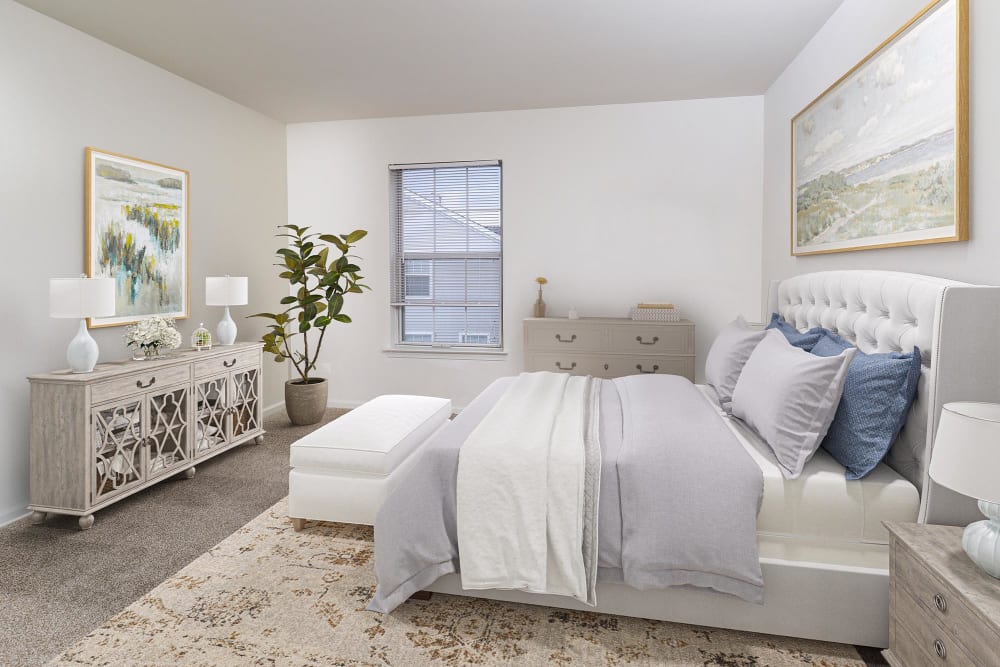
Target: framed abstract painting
[[137, 233], [881, 158]]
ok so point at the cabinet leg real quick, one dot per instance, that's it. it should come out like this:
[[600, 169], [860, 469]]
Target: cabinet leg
[[37, 517], [86, 521], [189, 473], [259, 440], [298, 524]]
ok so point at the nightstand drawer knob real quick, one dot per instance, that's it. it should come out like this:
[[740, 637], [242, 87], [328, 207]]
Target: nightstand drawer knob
[[940, 649], [940, 603]]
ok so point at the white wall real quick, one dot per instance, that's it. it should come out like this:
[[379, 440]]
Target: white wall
[[61, 91], [856, 28], [613, 204]]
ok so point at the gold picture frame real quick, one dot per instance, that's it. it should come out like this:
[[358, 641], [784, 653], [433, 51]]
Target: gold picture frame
[[877, 161], [137, 231]]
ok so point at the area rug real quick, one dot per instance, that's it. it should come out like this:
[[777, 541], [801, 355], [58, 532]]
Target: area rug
[[267, 595]]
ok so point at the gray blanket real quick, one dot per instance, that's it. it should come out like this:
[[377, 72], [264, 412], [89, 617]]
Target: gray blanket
[[678, 501]]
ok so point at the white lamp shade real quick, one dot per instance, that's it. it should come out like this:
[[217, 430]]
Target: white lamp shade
[[226, 291], [966, 455], [81, 297]]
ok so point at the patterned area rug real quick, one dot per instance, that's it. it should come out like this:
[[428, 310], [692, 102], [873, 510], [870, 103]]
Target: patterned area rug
[[267, 595]]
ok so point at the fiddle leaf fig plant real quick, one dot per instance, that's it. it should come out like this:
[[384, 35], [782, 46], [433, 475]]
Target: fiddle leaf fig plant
[[320, 280]]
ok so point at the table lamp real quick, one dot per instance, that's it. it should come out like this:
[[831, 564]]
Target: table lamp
[[966, 459], [226, 291], [80, 298]]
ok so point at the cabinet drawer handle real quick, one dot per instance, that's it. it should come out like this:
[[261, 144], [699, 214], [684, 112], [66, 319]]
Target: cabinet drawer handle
[[229, 364], [940, 649], [638, 367], [940, 603], [565, 340], [562, 368], [140, 385], [655, 340]]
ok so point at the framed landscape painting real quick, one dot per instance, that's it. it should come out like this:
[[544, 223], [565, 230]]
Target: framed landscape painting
[[881, 158], [137, 233]]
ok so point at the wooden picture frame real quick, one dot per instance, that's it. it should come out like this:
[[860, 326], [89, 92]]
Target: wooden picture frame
[[881, 158], [137, 233]]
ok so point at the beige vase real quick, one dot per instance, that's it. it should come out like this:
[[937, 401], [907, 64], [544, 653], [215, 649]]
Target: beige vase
[[306, 403]]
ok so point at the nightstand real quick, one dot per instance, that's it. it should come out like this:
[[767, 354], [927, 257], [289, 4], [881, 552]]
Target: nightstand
[[943, 609]]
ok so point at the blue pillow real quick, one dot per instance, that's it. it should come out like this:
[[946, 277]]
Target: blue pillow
[[802, 340], [877, 395]]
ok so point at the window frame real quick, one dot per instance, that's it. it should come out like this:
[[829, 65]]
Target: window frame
[[397, 268]]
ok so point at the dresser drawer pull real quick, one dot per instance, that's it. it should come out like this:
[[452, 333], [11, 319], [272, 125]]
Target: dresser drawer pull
[[940, 649], [140, 385], [229, 364], [565, 340], [940, 603], [562, 368], [655, 340], [639, 368]]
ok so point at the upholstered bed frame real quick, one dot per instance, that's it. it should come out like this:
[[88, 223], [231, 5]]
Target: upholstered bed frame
[[842, 594], [953, 324]]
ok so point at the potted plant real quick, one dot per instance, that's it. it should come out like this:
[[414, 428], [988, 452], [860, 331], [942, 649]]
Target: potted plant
[[320, 280]]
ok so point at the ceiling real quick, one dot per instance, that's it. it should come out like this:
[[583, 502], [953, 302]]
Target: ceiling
[[305, 60]]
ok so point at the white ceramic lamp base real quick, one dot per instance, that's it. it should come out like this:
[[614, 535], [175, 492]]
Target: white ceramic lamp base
[[981, 540], [82, 352], [226, 331]]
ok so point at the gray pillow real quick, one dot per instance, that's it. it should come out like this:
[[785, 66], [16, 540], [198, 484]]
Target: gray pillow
[[789, 397], [729, 352]]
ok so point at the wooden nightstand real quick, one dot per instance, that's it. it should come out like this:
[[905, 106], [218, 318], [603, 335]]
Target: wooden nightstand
[[943, 609]]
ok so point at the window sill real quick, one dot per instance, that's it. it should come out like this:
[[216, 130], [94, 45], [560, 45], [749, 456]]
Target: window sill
[[456, 353]]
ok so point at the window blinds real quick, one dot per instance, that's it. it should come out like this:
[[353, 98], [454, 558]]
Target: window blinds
[[446, 253]]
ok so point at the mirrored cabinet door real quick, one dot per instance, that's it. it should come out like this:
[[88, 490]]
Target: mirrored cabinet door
[[169, 431], [211, 414], [246, 405], [118, 439]]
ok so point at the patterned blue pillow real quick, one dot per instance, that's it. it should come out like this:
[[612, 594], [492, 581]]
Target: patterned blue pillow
[[877, 396], [795, 337]]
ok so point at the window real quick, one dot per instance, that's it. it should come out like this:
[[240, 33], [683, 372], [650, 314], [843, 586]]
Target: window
[[447, 254]]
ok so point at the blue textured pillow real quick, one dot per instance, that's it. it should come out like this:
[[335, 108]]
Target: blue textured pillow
[[877, 396], [801, 340]]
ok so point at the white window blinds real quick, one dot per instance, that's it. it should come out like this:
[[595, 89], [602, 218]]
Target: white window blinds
[[446, 254]]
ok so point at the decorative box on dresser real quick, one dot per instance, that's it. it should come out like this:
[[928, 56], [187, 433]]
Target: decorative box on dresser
[[943, 609], [99, 437], [608, 346]]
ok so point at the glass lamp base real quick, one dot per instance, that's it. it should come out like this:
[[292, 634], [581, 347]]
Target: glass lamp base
[[981, 540]]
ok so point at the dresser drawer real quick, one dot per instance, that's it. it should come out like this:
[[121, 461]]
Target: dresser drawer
[[129, 385], [566, 336], [651, 339], [922, 640], [223, 363], [637, 365], [575, 364], [913, 581]]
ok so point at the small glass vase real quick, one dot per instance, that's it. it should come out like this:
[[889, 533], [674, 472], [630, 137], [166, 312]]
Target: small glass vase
[[145, 353]]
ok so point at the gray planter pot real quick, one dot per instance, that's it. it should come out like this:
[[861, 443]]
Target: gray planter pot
[[306, 403]]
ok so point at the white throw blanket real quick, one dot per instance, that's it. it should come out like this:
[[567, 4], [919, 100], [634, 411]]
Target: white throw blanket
[[528, 485]]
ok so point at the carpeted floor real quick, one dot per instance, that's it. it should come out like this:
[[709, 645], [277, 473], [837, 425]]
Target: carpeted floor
[[58, 584], [269, 595]]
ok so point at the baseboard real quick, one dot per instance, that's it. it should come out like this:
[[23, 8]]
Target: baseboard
[[270, 410], [11, 517]]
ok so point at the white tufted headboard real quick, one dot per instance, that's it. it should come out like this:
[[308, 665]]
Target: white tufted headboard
[[955, 325]]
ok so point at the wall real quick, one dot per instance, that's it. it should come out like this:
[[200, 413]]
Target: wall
[[63, 91], [856, 28], [613, 204]]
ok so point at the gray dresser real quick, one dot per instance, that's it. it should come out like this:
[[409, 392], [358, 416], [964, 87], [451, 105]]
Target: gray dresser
[[608, 347], [99, 437]]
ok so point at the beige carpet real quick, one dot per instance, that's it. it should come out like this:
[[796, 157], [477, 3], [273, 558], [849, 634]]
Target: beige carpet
[[267, 595]]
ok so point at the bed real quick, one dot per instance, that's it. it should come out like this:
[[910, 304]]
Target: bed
[[822, 548]]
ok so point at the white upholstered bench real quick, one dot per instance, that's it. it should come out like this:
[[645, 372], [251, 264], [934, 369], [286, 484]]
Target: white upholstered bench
[[343, 471]]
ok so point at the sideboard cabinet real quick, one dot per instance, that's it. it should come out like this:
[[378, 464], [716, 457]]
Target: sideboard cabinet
[[99, 437]]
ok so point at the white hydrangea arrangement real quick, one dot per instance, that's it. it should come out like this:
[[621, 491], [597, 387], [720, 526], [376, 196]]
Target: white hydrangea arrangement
[[152, 334]]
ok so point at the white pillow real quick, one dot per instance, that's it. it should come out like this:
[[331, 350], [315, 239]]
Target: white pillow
[[789, 397], [729, 352]]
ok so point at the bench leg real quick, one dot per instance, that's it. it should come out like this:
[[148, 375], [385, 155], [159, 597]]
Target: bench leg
[[298, 524]]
